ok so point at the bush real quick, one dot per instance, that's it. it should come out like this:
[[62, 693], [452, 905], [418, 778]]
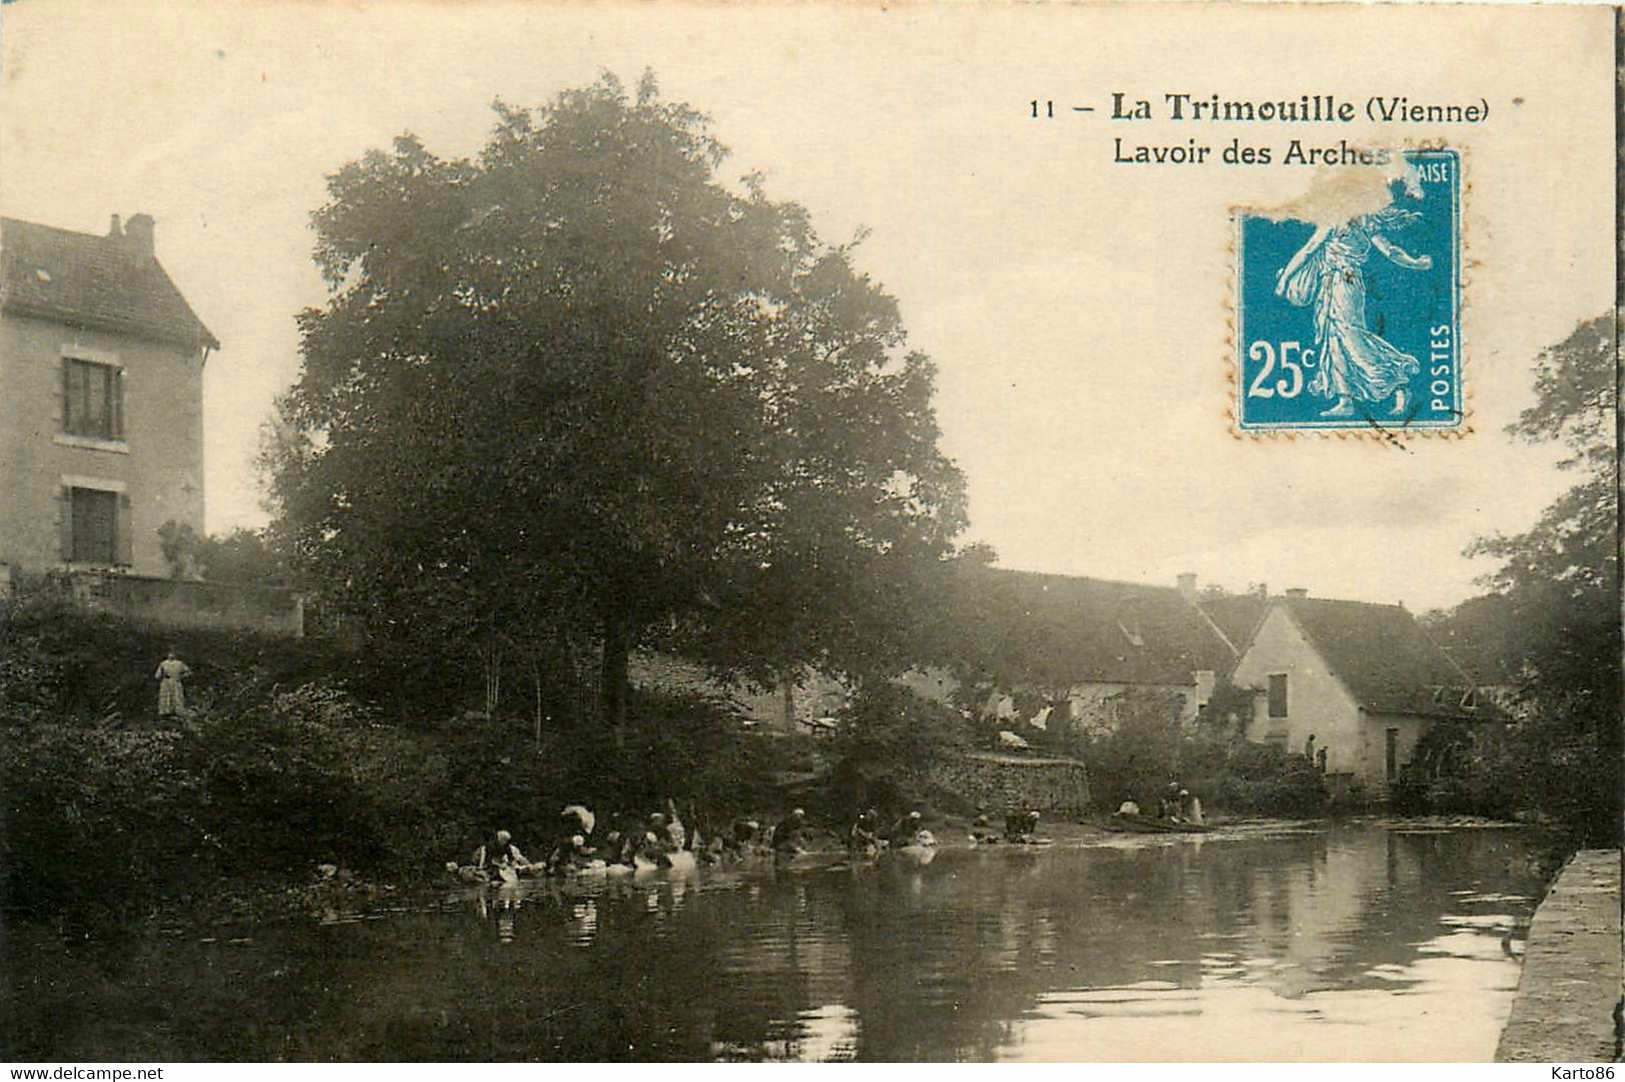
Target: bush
[[93, 819], [279, 795], [1138, 754], [1460, 770], [65, 664], [1259, 779], [112, 821], [297, 753], [886, 741]]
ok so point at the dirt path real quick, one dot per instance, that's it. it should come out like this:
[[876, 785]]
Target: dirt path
[[1571, 969]]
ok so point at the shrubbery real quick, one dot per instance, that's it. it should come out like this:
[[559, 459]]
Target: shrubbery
[[1146, 745], [109, 811], [1257, 779], [59, 662], [119, 819], [1459, 769], [885, 744], [1137, 753]]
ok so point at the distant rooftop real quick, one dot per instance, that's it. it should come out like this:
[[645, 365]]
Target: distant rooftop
[[1066, 629], [109, 282]]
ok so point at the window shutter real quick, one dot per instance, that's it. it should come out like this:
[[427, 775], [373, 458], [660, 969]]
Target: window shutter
[[65, 511], [63, 397], [117, 406], [126, 531]]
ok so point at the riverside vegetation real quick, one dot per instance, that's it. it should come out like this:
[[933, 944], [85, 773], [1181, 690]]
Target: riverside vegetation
[[299, 753]]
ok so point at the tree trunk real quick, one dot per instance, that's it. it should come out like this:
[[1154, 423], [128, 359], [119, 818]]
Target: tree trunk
[[493, 679], [787, 682], [612, 684], [536, 680]]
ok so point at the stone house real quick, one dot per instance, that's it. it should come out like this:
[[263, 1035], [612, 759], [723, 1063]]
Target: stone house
[[101, 399], [1365, 680]]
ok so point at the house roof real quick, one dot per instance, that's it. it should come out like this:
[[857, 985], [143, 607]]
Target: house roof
[[1237, 616], [1061, 630], [107, 282], [1385, 658]]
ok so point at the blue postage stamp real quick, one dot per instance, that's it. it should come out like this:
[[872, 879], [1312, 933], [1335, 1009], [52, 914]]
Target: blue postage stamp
[[1353, 321]]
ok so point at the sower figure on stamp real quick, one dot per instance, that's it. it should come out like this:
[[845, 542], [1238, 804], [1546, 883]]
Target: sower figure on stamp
[[1355, 363]]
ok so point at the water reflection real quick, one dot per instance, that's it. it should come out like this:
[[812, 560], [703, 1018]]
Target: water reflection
[[1339, 944]]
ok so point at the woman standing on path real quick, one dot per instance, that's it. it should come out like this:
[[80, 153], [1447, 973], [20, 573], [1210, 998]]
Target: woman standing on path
[[171, 696]]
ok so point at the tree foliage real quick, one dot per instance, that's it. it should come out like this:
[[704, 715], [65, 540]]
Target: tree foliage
[[1557, 595], [579, 390], [243, 556]]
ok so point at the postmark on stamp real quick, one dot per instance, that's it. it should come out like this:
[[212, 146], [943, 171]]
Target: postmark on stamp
[[1348, 309]]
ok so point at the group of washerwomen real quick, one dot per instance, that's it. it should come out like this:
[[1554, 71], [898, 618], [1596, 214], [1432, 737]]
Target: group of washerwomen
[[663, 841], [653, 842], [1020, 828], [1177, 803]]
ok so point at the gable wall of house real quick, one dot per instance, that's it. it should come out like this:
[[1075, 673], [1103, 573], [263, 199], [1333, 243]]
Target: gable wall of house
[[1317, 701], [159, 466]]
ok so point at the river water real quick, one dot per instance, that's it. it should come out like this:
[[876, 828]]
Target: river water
[[1348, 943]]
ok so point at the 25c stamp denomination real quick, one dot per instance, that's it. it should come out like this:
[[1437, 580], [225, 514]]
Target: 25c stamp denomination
[[1348, 304]]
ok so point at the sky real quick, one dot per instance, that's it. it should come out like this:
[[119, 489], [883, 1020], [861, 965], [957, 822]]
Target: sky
[[1079, 310]]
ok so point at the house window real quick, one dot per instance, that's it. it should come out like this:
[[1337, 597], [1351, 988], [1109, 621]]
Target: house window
[[1392, 754], [92, 399], [94, 536], [1277, 696]]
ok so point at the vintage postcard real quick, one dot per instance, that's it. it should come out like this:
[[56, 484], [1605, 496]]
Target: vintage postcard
[[818, 531]]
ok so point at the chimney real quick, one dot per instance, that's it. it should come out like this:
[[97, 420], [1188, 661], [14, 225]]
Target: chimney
[[114, 230], [1262, 590], [1187, 585], [1297, 592], [138, 232]]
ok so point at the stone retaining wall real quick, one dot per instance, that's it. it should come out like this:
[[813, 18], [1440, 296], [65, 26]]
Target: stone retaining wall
[[1000, 783], [179, 602], [1571, 981]]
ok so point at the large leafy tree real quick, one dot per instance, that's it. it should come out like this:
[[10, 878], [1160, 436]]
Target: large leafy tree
[[1556, 600], [578, 389]]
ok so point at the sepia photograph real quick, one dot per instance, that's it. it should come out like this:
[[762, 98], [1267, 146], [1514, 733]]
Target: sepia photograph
[[808, 532]]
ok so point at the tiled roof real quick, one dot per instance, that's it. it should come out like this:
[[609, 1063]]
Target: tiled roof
[[105, 282], [1385, 658], [1060, 630]]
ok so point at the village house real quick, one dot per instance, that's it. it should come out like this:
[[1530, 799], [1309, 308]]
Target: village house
[[1366, 681], [101, 428], [101, 399], [1059, 650]]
